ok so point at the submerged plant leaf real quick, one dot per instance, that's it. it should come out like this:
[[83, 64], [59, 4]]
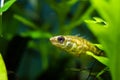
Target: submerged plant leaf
[[109, 37], [99, 21], [103, 60], [3, 72], [68, 3], [7, 5], [97, 26], [99, 46], [26, 21], [102, 7], [36, 34], [72, 2]]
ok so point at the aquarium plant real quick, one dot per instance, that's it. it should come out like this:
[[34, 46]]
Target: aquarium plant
[[109, 34]]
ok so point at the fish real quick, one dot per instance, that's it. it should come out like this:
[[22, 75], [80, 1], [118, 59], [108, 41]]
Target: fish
[[74, 45], [79, 46]]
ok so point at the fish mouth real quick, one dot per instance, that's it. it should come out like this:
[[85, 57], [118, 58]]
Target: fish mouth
[[52, 39]]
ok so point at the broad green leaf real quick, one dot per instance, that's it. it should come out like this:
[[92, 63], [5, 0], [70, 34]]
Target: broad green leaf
[[103, 60], [102, 7], [109, 37], [3, 72], [7, 5]]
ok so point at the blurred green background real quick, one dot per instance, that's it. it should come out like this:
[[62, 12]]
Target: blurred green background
[[24, 43]]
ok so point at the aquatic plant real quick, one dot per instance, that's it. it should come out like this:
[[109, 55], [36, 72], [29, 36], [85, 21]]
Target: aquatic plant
[[62, 20], [109, 34], [3, 8]]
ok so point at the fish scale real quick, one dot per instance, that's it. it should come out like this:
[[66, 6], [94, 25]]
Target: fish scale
[[75, 45], [78, 46]]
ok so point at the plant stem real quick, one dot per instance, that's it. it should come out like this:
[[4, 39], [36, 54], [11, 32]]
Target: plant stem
[[80, 20], [1, 5], [0, 25]]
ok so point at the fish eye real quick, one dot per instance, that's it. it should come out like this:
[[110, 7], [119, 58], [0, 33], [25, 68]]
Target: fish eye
[[61, 39]]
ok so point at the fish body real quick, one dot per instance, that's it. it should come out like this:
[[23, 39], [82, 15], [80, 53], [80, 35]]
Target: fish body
[[74, 45], [78, 46]]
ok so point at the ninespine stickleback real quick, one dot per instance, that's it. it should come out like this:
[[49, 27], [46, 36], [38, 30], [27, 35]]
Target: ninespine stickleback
[[78, 46], [74, 45]]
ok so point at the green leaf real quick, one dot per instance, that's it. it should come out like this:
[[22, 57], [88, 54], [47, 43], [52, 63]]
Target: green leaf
[[96, 27], [72, 2], [36, 34], [26, 21], [102, 7], [7, 5], [3, 72], [99, 20], [103, 60], [99, 46]]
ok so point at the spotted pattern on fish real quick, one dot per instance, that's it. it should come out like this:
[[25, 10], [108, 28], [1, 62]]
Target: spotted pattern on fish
[[74, 45]]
